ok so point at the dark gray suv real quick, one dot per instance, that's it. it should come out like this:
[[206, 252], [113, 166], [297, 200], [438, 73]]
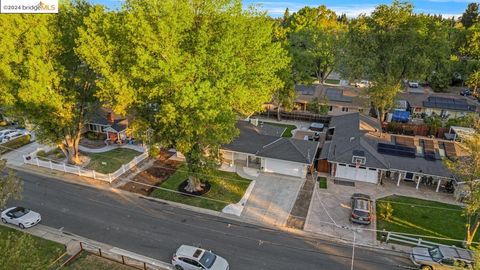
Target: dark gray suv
[[361, 209]]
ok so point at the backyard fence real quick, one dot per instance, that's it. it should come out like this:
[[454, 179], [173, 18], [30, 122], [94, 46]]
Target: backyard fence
[[297, 116], [67, 168], [137, 262], [419, 242]]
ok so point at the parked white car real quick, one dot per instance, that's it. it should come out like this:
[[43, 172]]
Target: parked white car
[[11, 136], [362, 84], [5, 132], [194, 258], [413, 84], [20, 216]]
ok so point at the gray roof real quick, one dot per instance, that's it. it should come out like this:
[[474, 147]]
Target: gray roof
[[252, 140], [301, 151], [448, 104], [349, 139], [100, 118], [337, 95]]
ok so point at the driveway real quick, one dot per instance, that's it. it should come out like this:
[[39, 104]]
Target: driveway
[[272, 198], [330, 211]]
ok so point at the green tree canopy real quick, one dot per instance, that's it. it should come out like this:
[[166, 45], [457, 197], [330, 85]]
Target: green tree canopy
[[187, 73], [43, 79]]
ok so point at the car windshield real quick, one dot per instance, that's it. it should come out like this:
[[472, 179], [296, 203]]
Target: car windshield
[[435, 254], [360, 213], [208, 259], [20, 212]]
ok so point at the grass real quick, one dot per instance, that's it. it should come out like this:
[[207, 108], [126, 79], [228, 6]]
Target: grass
[[114, 159], [46, 250], [225, 186], [332, 81], [287, 133], [322, 182], [422, 217], [90, 261]]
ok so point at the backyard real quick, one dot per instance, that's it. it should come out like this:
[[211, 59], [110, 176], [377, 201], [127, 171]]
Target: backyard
[[226, 187], [422, 217], [288, 129], [109, 162]]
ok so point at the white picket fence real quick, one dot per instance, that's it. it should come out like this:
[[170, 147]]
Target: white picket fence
[[67, 168], [419, 242]]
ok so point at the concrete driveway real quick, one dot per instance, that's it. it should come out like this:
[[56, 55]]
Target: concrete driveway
[[272, 198], [330, 211]]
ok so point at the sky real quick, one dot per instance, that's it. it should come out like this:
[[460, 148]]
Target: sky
[[351, 8]]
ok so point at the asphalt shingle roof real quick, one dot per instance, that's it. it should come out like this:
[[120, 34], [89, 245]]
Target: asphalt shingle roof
[[253, 140]]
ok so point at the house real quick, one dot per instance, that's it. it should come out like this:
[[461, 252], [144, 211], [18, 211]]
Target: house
[[445, 105], [340, 100], [106, 122], [355, 153], [260, 146]]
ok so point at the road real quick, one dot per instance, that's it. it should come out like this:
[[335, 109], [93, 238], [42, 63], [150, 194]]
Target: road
[[156, 229]]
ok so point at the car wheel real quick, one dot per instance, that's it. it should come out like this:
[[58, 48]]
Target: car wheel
[[178, 267], [426, 267], [4, 220], [21, 226]]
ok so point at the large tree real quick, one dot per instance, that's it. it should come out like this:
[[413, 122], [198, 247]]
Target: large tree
[[470, 16], [10, 185], [467, 169], [43, 79], [186, 70], [386, 47], [315, 37]]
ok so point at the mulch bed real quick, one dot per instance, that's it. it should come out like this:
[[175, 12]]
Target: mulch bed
[[153, 176], [183, 185]]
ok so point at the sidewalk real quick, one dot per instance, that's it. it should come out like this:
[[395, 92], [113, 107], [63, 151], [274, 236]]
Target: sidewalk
[[72, 244]]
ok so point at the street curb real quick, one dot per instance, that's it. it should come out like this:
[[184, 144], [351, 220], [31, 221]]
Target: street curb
[[294, 232]]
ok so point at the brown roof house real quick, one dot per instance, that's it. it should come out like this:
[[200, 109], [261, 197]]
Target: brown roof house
[[106, 122]]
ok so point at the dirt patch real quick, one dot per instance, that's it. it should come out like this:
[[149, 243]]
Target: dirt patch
[[299, 212], [145, 181]]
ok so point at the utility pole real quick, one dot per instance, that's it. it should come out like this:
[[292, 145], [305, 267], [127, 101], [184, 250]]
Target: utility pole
[[353, 248]]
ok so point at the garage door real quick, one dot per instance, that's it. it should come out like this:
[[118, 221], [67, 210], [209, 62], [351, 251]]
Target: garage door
[[357, 174], [284, 167]]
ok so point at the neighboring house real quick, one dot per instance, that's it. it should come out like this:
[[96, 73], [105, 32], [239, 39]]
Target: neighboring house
[[356, 153], [340, 100], [262, 147], [445, 105], [105, 121]]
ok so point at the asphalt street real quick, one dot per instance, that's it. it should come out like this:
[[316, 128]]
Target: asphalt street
[[156, 229]]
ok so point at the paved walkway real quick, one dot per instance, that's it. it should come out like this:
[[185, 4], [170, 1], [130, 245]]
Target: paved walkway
[[272, 198], [15, 157], [107, 148]]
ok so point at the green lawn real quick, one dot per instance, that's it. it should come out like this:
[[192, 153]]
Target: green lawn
[[288, 129], [332, 81], [113, 159], [422, 217], [90, 261], [322, 182], [46, 250], [225, 186]]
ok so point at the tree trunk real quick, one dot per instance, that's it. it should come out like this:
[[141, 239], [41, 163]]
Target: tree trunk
[[70, 148], [471, 232], [381, 115], [194, 184], [278, 113]]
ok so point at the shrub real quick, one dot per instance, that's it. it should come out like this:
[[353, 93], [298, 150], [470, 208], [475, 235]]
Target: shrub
[[154, 151], [41, 153], [385, 210], [322, 182], [59, 155]]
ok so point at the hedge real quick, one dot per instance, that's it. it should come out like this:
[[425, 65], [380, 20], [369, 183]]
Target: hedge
[[14, 144]]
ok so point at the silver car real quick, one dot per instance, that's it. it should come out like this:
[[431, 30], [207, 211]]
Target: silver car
[[22, 217], [194, 258], [442, 258]]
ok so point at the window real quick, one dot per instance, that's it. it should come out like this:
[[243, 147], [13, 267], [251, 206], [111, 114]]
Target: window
[[330, 108], [342, 165], [448, 261], [103, 129], [344, 109]]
